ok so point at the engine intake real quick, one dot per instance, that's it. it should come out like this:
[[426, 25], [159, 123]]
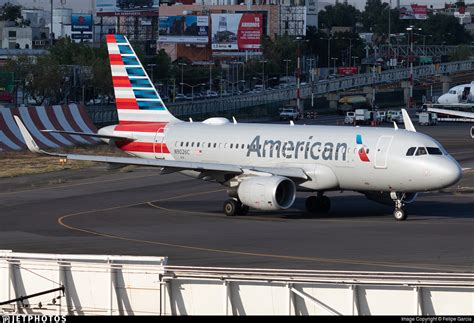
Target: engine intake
[[267, 193]]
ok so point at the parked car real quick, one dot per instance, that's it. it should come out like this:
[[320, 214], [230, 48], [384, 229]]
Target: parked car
[[291, 113], [395, 116]]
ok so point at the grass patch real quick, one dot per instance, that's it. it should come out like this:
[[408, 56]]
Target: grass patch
[[22, 163]]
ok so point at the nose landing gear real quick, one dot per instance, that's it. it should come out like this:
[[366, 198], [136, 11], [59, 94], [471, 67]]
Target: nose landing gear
[[399, 213]]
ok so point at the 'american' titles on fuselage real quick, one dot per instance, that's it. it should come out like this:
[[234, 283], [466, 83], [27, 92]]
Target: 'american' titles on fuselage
[[309, 149]]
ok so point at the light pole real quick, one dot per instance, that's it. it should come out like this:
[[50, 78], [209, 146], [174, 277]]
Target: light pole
[[354, 58], [182, 82], [329, 48], [263, 72], [210, 76], [192, 88], [152, 68], [410, 100], [334, 59], [287, 61]]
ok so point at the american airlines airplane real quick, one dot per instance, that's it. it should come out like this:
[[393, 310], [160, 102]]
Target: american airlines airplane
[[264, 165], [458, 95], [457, 98]]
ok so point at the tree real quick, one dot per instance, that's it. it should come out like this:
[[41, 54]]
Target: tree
[[46, 80], [339, 15], [462, 53], [10, 12], [445, 29]]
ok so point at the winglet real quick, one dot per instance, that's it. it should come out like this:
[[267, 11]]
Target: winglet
[[30, 142], [407, 121]]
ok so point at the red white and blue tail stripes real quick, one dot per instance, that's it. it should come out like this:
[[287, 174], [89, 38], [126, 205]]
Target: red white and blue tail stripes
[[136, 98]]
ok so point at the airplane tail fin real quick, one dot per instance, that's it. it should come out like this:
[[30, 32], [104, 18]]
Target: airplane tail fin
[[136, 98]]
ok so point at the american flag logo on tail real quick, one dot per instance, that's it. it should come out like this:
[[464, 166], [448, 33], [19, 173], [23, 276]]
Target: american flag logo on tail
[[137, 100]]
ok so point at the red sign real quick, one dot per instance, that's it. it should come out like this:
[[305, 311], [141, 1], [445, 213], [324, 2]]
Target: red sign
[[6, 96], [250, 31], [346, 70]]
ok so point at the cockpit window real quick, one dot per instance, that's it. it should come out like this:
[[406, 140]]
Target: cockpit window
[[411, 151], [421, 151], [434, 151], [452, 92]]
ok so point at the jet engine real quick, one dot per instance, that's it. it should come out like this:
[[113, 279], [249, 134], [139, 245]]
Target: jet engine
[[267, 193], [387, 198]]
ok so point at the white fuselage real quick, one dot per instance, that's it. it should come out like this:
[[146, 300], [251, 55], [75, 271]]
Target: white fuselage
[[333, 157]]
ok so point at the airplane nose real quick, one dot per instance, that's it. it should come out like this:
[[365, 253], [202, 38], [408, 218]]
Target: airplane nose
[[449, 172]]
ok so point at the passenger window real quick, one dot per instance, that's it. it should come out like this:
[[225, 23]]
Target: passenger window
[[197, 145], [209, 145], [242, 146], [192, 144], [421, 151], [182, 144], [231, 146], [215, 145], [411, 151]]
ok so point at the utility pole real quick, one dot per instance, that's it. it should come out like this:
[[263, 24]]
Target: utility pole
[[287, 61], [210, 75], [51, 31], [263, 73], [182, 83]]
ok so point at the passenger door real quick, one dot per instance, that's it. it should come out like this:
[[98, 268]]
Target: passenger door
[[158, 144], [381, 153]]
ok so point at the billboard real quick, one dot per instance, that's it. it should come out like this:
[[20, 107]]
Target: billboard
[[347, 70], [127, 7], [80, 22], [414, 11], [238, 31], [184, 29]]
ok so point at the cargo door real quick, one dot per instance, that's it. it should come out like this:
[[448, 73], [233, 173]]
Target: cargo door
[[381, 153]]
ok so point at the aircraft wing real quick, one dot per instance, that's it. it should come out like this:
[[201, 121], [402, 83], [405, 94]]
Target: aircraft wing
[[169, 165], [93, 135], [453, 112]]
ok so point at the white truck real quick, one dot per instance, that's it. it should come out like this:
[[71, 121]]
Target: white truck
[[428, 119], [289, 113], [362, 116]]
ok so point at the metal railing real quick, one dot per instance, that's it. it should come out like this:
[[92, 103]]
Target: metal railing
[[317, 88]]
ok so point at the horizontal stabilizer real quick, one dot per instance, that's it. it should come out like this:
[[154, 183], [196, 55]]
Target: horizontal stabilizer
[[93, 135]]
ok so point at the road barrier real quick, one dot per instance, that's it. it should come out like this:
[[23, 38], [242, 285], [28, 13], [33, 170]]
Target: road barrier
[[126, 285], [60, 117]]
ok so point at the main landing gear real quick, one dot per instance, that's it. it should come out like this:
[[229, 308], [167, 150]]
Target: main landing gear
[[399, 214], [234, 207], [318, 204]]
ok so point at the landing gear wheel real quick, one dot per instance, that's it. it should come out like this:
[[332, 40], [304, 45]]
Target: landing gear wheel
[[400, 215], [318, 204], [312, 204], [231, 207], [243, 210], [325, 204]]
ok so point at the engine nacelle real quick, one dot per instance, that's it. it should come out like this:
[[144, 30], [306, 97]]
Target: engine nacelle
[[387, 198], [267, 193]]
